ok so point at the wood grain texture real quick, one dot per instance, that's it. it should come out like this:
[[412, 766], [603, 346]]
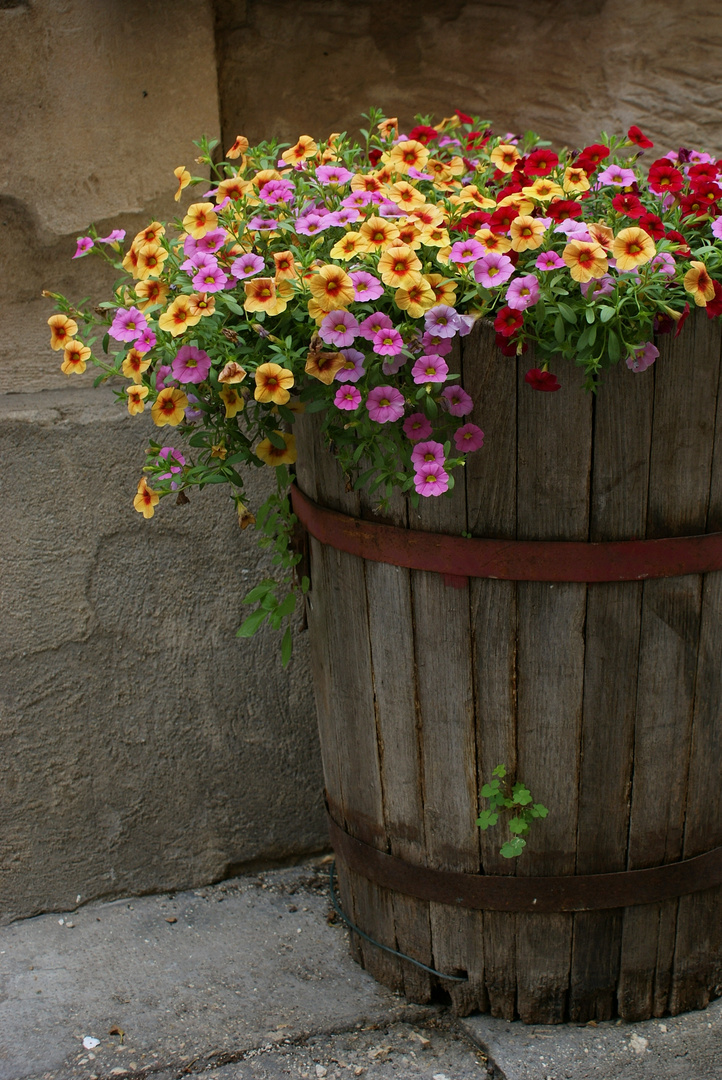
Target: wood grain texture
[[686, 380]]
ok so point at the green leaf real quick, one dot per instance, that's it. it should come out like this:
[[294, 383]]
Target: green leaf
[[589, 315], [518, 825], [287, 607], [250, 625], [489, 790], [512, 848], [305, 584], [567, 313], [613, 346], [521, 794], [559, 331], [500, 770], [106, 343], [276, 440], [540, 810], [606, 313], [258, 592], [487, 818], [286, 647]]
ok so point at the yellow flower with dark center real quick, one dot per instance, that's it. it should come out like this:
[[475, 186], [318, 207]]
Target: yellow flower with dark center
[[575, 179], [234, 188], [183, 177], [239, 147], [263, 294], [150, 291], [169, 407], [304, 148], [405, 155], [527, 233], [416, 298], [378, 234], [406, 195], [232, 400], [505, 157], [428, 215], [601, 233], [399, 266], [285, 265], [543, 190], [136, 395], [349, 244], [273, 383], [323, 364], [365, 182], [74, 357], [219, 450], [471, 193], [200, 218], [388, 129], [176, 318], [201, 304], [146, 500], [273, 455], [585, 260], [633, 247], [150, 235], [150, 261], [444, 288], [698, 282], [436, 237], [410, 232], [331, 288], [492, 241], [134, 365], [62, 329]]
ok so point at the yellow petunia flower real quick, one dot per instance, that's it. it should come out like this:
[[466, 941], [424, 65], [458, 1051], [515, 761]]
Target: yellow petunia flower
[[527, 233], [273, 383], [200, 218], [405, 155], [405, 195], [575, 179], [585, 260], [285, 266], [146, 500], [202, 304], [150, 291], [178, 317], [444, 288], [136, 395], [378, 234], [415, 298], [304, 148], [543, 190], [184, 179], [263, 294], [239, 147], [134, 365], [331, 288], [504, 157], [150, 262], [348, 246], [62, 329], [273, 455], [399, 266], [74, 356], [169, 407], [492, 241], [232, 400], [698, 282], [633, 247]]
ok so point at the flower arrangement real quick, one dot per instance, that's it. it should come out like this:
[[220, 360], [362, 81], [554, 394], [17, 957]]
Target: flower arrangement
[[336, 276]]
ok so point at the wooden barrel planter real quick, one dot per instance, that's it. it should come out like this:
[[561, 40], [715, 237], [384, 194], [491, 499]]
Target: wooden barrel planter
[[604, 697]]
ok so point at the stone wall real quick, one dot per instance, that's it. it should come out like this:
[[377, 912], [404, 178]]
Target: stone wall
[[142, 746]]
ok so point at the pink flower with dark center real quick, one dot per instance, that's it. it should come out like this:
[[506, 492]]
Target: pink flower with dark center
[[117, 236], [597, 287], [385, 404], [310, 224], [212, 241], [191, 365], [664, 263], [353, 367], [393, 366], [643, 356], [549, 260], [430, 369], [388, 342], [247, 265], [333, 174], [128, 324], [161, 374], [493, 269], [431, 480], [262, 224], [617, 176], [466, 251], [456, 400], [442, 321], [85, 243], [373, 323], [468, 438], [210, 280], [338, 328], [345, 216], [366, 286], [145, 342], [417, 427], [523, 292], [427, 452], [347, 397], [359, 199], [435, 344], [170, 455]]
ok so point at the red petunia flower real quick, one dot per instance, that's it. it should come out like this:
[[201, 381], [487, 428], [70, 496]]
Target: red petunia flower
[[471, 222], [508, 321], [714, 306], [475, 140], [677, 238], [706, 190], [561, 209], [375, 156], [628, 204], [464, 117], [653, 225], [423, 133], [664, 178], [502, 218], [694, 205], [682, 320], [591, 157], [635, 135], [708, 170], [542, 380], [541, 162], [509, 346]]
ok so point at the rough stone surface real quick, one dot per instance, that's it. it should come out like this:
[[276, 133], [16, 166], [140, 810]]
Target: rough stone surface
[[564, 69], [101, 101], [142, 745], [687, 1047]]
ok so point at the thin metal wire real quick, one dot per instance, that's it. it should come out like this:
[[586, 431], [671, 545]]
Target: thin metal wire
[[394, 952]]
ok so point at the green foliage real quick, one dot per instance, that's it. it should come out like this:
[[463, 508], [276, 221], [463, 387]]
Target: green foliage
[[516, 803]]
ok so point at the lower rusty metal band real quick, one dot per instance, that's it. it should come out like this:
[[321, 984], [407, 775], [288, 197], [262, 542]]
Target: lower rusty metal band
[[583, 892], [459, 557]]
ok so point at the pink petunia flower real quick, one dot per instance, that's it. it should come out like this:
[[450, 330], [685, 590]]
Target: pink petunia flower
[[385, 404], [358, 199], [128, 324], [431, 480], [366, 286], [162, 373], [145, 342], [523, 292], [353, 368], [338, 328], [333, 174], [430, 369], [393, 366], [442, 321], [616, 175], [176, 462], [373, 323], [466, 251], [664, 263], [310, 224], [210, 280], [262, 224], [191, 365], [436, 344], [345, 216], [212, 241], [549, 260], [603, 286], [85, 243], [456, 400], [247, 265], [388, 342], [347, 397], [417, 427], [468, 438], [117, 236], [493, 269], [717, 228], [643, 356], [426, 452]]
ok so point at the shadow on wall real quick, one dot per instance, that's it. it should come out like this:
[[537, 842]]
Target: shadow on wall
[[564, 69]]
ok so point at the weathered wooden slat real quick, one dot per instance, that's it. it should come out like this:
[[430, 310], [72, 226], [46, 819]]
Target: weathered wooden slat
[[686, 385], [554, 459], [490, 378], [618, 511]]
